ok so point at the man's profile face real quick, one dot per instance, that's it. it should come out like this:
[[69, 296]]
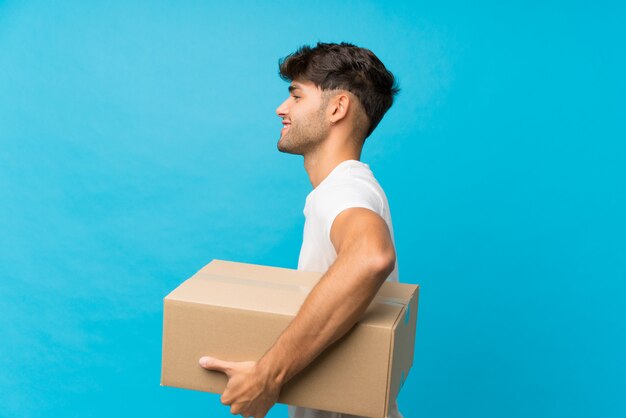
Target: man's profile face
[[304, 118]]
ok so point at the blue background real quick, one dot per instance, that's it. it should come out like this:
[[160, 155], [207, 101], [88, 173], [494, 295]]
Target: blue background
[[138, 142]]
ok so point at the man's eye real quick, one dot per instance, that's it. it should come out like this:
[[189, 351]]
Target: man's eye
[[296, 97]]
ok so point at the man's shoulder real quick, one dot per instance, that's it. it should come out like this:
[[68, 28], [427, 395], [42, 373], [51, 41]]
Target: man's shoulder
[[344, 193], [348, 186]]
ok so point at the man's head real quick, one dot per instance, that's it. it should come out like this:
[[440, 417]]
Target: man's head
[[341, 74]]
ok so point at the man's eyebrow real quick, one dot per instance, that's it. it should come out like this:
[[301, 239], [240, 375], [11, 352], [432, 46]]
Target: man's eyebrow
[[294, 87]]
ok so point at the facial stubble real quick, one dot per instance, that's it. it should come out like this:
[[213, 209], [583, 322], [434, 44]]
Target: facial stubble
[[305, 135]]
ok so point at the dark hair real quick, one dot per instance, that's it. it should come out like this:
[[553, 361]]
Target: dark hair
[[344, 66]]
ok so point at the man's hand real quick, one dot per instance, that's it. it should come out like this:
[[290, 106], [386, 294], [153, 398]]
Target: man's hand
[[251, 391]]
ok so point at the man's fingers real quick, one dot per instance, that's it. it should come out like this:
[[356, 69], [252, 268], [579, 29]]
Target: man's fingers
[[224, 400], [235, 409], [212, 363]]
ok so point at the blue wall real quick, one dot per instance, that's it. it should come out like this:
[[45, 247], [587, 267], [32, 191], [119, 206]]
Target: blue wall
[[138, 142]]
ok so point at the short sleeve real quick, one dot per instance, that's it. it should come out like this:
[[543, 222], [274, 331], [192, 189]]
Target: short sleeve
[[334, 199]]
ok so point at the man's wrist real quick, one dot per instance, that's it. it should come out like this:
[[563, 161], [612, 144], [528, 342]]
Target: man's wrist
[[272, 368]]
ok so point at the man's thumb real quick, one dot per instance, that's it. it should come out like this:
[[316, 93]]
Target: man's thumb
[[211, 363]]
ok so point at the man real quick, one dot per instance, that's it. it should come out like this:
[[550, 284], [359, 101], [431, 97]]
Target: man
[[338, 95]]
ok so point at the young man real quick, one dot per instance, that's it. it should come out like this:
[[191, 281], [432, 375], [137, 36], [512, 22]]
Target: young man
[[338, 95]]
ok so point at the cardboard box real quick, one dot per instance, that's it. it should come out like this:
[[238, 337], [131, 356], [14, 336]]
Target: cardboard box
[[235, 311]]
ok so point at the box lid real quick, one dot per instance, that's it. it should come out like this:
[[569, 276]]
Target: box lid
[[276, 290]]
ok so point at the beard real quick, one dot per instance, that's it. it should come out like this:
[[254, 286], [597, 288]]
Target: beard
[[305, 135]]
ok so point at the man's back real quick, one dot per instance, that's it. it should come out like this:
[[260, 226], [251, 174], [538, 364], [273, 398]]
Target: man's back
[[350, 184]]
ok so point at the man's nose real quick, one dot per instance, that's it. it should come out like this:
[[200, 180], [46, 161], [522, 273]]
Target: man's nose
[[281, 110]]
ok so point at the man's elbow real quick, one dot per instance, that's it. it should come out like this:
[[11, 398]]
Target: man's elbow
[[382, 263]]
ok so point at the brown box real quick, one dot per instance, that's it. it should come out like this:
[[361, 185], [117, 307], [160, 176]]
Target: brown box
[[235, 311]]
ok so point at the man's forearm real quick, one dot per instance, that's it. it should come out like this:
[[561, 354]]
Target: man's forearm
[[333, 306]]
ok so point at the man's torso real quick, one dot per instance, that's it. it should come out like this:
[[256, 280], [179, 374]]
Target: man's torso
[[349, 184]]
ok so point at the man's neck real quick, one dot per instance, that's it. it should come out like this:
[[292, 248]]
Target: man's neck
[[319, 163]]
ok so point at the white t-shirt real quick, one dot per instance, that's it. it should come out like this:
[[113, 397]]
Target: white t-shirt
[[351, 184]]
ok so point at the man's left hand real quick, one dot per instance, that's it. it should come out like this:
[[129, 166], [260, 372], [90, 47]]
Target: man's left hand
[[250, 391]]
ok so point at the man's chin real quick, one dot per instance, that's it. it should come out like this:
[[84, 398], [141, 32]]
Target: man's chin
[[284, 147]]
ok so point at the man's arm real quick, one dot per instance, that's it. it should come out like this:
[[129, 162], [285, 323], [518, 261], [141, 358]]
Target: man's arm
[[365, 258]]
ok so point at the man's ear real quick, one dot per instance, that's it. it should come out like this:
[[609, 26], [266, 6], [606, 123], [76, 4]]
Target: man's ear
[[338, 107]]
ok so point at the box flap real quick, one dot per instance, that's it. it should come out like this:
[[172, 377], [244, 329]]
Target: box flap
[[402, 340]]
